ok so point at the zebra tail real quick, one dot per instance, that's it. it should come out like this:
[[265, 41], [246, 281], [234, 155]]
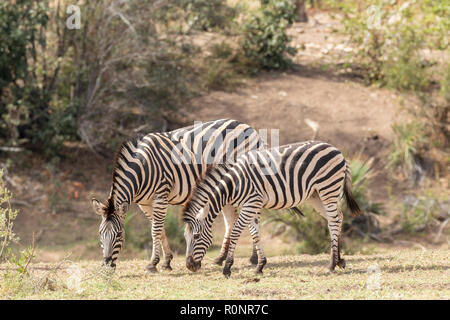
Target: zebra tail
[[351, 202]]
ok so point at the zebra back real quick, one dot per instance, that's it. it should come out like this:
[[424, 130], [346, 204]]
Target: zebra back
[[172, 162]]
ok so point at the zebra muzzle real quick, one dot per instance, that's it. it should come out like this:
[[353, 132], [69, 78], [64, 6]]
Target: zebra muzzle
[[192, 265], [108, 261]]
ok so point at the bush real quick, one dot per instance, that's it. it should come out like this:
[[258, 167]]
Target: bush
[[389, 38], [265, 43], [7, 218], [16, 277], [408, 141], [138, 230], [175, 230], [404, 69], [422, 212], [396, 42], [366, 224], [206, 15], [61, 85], [311, 230]]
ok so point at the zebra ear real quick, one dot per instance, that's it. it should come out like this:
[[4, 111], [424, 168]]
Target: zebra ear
[[99, 207], [123, 208], [203, 213]]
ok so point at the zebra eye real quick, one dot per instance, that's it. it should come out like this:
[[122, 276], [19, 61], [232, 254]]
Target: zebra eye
[[196, 236]]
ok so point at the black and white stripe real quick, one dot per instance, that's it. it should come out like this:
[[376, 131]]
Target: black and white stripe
[[277, 178], [159, 169], [111, 239]]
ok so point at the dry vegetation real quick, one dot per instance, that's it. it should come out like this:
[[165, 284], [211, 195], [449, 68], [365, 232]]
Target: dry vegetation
[[390, 274]]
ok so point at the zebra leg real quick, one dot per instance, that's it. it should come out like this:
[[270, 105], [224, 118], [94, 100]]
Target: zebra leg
[[168, 256], [254, 256], [159, 214], [229, 217], [335, 226], [328, 210], [261, 258], [246, 215]]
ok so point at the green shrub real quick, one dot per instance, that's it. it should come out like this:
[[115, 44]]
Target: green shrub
[[421, 214], [7, 218], [219, 69], [265, 43], [34, 110], [16, 278], [138, 230], [175, 230], [311, 230], [389, 38], [407, 142], [403, 69], [366, 224], [206, 15]]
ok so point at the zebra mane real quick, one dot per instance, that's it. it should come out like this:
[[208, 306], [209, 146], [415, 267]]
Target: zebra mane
[[117, 156], [201, 185], [109, 210]]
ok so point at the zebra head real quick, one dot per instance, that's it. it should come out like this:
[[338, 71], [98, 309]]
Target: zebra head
[[198, 239], [111, 229]]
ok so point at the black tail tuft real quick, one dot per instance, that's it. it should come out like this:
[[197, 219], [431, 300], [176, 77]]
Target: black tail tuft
[[351, 202]]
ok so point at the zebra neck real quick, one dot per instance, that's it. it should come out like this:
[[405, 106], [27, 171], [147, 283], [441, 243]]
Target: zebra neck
[[117, 198], [218, 197]]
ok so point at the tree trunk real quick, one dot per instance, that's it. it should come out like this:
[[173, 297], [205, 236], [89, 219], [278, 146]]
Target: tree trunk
[[301, 11]]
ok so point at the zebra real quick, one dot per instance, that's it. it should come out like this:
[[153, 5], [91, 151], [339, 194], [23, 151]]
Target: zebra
[[277, 178], [159, 169]]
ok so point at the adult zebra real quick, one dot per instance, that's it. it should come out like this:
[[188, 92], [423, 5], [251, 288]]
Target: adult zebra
[[159, 169], [276, 178]]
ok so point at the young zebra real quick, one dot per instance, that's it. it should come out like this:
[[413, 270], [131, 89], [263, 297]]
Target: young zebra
[[275, 178], [159, 169]]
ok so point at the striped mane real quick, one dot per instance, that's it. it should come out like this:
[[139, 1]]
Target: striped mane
[[119, 155], [201, 185]]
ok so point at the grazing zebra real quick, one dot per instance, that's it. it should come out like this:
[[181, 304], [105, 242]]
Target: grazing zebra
[[159, 169], [275, 178]]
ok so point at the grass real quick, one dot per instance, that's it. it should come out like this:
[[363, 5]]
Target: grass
[[391, 274]]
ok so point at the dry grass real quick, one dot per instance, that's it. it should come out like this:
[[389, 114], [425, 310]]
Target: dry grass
[[392, 274]]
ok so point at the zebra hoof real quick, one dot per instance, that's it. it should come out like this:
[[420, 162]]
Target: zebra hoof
[[218, 261], [227, 273], [166, 268], [341, 263], [258, 272], [151, 269], [254, 260]]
